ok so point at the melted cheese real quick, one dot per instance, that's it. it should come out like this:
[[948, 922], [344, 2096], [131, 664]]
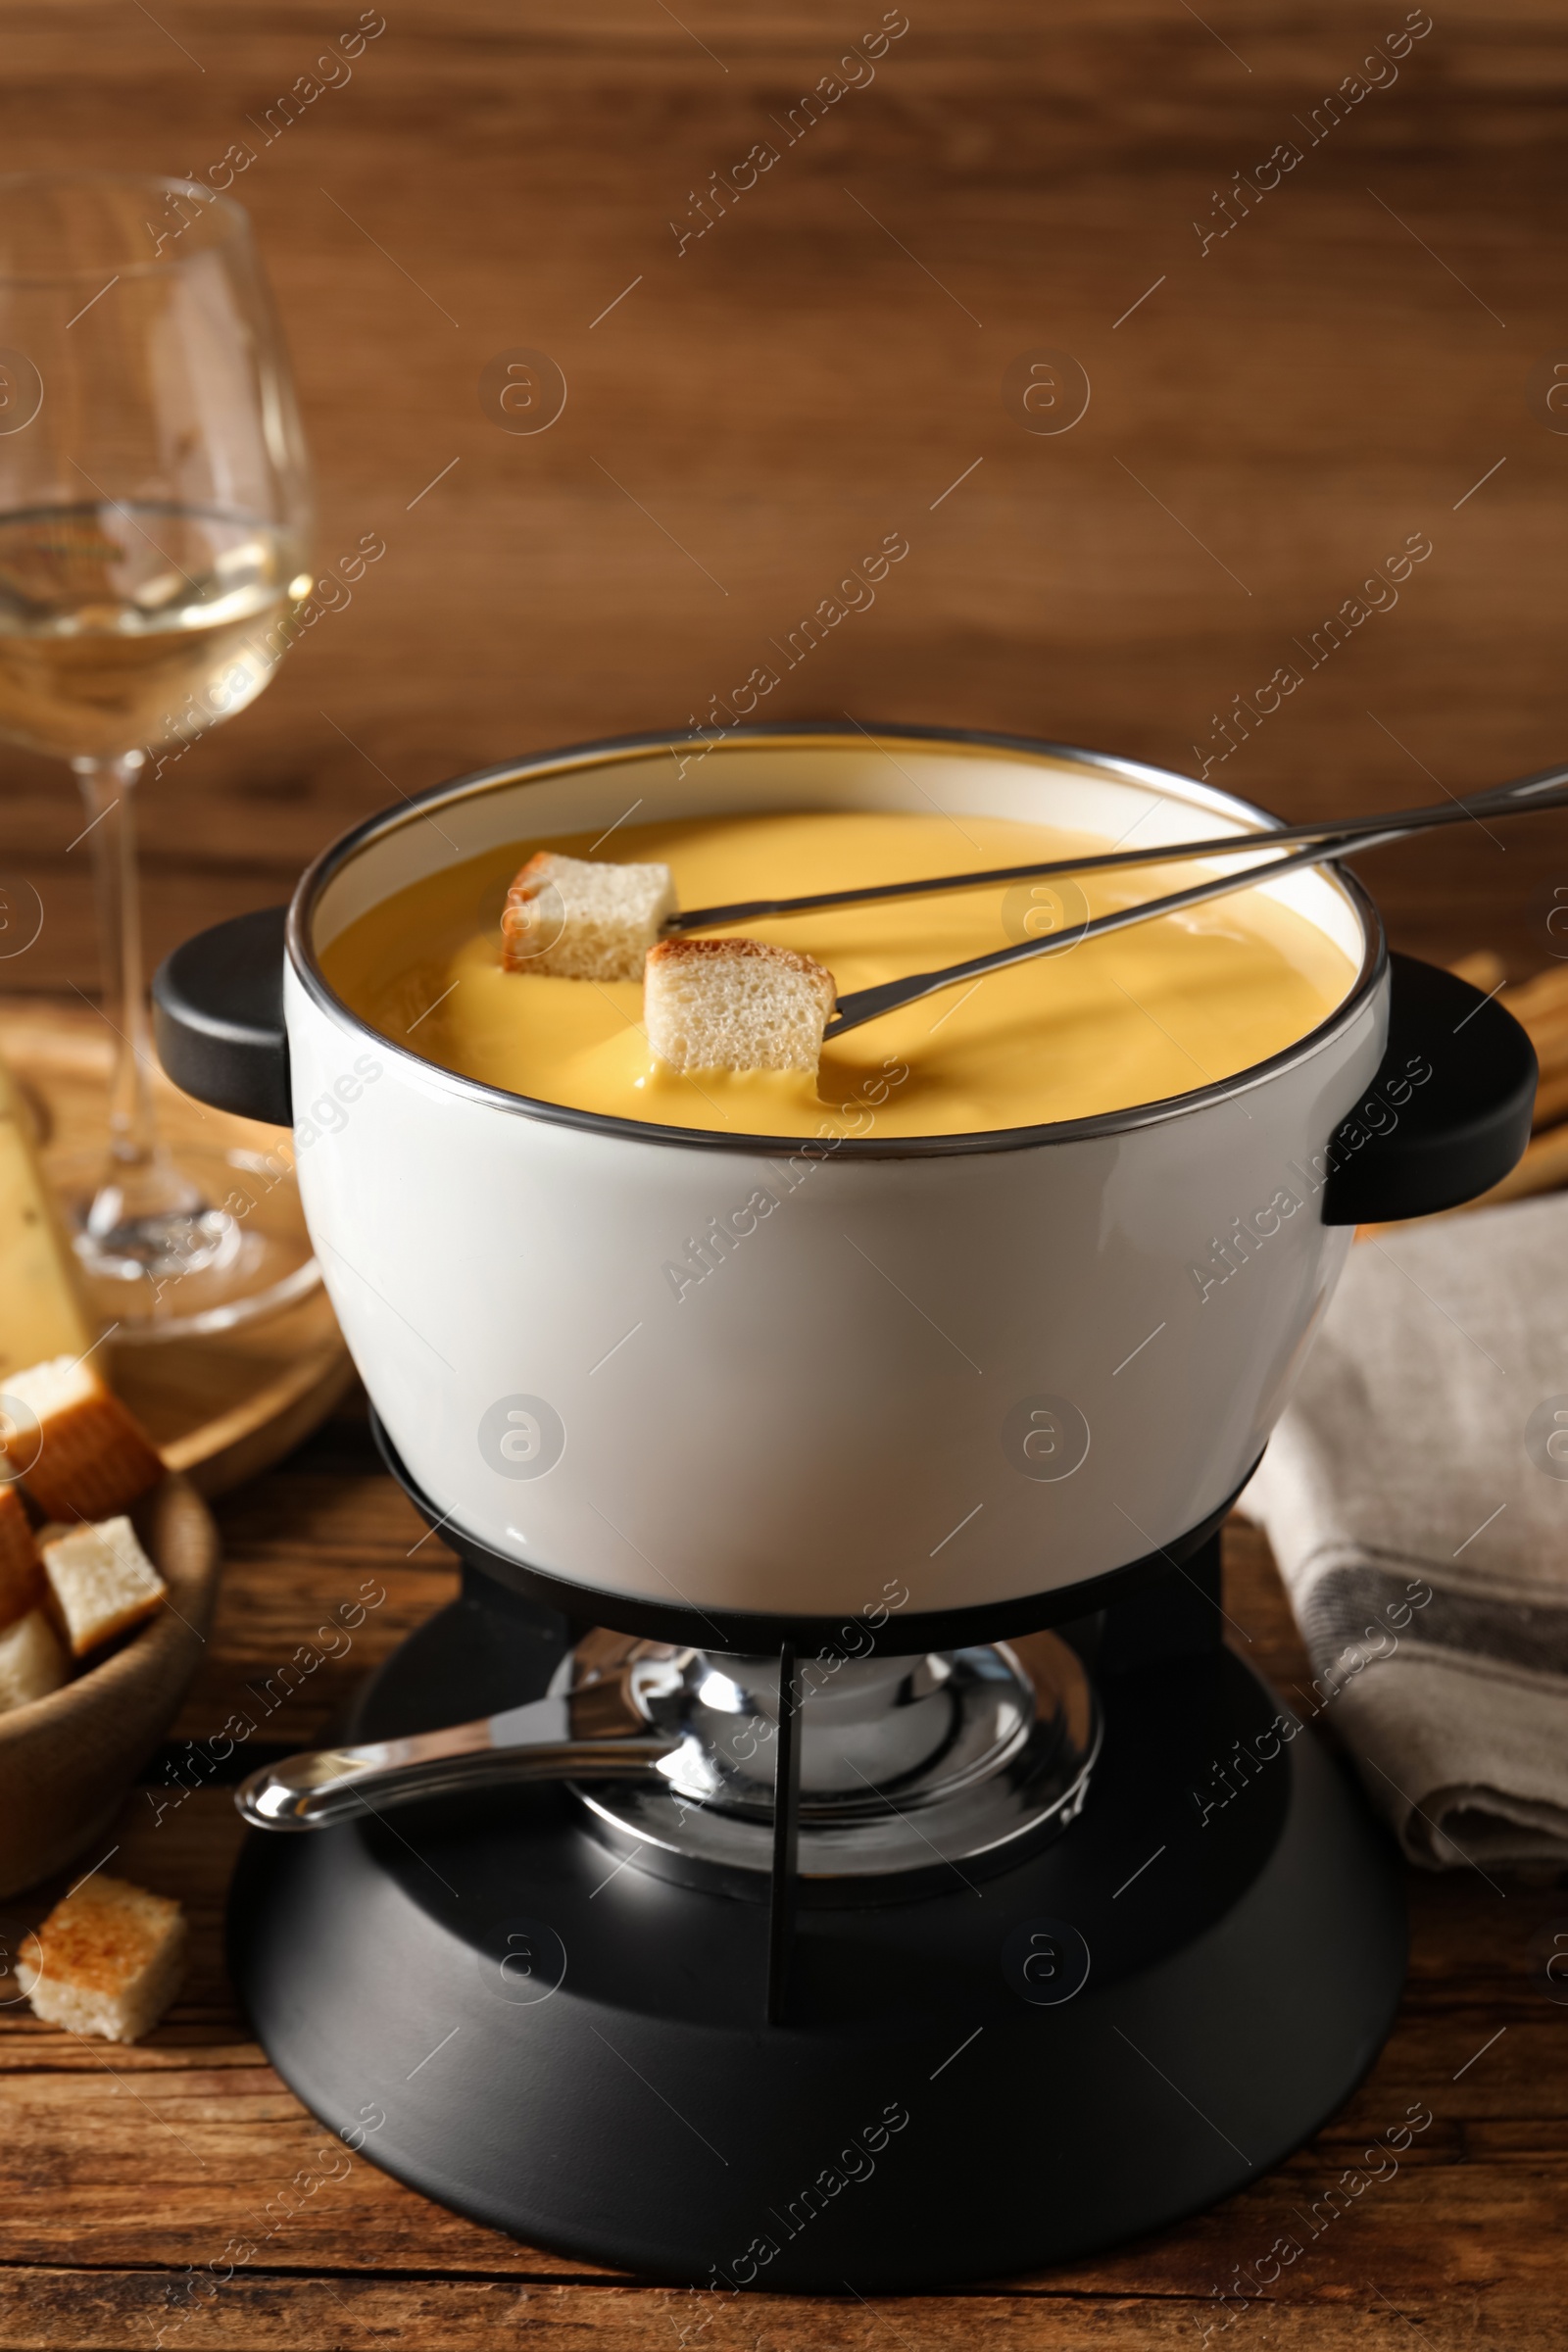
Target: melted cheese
[[1143, 1015]]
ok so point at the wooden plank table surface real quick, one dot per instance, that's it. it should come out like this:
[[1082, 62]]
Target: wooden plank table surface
[[1289, 379]]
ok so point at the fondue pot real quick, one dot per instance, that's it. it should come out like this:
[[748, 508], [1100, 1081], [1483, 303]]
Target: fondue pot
[[763, 1379], [839, 1847]]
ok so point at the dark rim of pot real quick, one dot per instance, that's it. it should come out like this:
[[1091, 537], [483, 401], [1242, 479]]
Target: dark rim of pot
[[352, 844]]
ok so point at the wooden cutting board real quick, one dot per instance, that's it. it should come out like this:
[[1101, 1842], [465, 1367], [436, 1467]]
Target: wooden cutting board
[[220, 1407]]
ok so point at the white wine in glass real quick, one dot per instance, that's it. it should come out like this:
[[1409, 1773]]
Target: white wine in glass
[[154, 542]]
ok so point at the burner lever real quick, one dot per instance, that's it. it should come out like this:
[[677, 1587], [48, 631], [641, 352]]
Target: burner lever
[[328, 1784]]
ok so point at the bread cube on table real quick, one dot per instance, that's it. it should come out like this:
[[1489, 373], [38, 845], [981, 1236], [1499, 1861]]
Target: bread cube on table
[[71, 1443], [21, 1569], [101, 1582], [32, 1662], [108, 1960], [736, 1004], [575, 919]]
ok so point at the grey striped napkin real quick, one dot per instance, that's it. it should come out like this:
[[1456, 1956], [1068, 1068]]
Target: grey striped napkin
[[1416, 1497]]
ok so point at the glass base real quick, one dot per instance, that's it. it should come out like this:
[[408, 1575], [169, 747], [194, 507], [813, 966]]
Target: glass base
[[239, 1250]]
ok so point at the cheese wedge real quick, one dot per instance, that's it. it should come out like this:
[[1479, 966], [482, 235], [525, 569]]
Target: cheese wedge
[[43, 1312]]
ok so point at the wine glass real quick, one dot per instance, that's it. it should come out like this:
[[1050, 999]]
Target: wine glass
[[154, 545]]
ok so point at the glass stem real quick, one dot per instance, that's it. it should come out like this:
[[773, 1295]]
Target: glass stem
[[140, 1180], [107, 793]]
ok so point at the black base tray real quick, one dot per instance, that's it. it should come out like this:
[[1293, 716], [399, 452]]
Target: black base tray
[[577, 2052]]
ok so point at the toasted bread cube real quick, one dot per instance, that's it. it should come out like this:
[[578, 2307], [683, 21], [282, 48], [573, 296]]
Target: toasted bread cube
[[31, 1661], [101, 1582], [21, 1569], [578, 920], [108, 1960], [736, 1004], [73, 1446]]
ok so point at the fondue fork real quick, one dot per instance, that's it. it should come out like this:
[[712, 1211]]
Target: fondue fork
[[869, 1003], [1334, 834]]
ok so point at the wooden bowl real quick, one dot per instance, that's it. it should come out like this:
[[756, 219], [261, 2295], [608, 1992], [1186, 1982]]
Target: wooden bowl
[[68, 1760]]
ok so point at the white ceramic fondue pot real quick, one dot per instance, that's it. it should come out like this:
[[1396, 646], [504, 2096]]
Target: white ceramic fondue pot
[[682, 1369]]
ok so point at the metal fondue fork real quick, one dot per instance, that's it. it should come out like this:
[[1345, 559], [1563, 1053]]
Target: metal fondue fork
[[1521, 797], [1328, 840], [864, 1005]]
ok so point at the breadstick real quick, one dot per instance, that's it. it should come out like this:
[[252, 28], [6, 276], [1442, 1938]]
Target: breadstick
[[1482, 968], [1542, 997], [1544, 1166]]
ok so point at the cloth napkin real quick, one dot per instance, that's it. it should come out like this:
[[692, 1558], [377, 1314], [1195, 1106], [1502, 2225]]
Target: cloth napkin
[[1415, 1493]]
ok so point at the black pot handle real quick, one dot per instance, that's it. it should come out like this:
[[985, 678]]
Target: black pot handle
[[218, 1016], [1449, 1112]]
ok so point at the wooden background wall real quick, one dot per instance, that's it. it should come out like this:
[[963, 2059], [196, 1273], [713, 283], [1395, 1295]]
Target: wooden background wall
[[1280, 412]]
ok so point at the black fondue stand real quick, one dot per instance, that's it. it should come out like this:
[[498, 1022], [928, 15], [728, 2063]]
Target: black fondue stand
[[975, 2070]]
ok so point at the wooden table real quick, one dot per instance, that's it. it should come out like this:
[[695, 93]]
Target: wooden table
[[124, 2171], [1360, 359]]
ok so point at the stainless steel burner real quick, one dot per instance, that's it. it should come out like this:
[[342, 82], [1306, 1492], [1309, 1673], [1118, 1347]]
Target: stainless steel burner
[[907, 1765]]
